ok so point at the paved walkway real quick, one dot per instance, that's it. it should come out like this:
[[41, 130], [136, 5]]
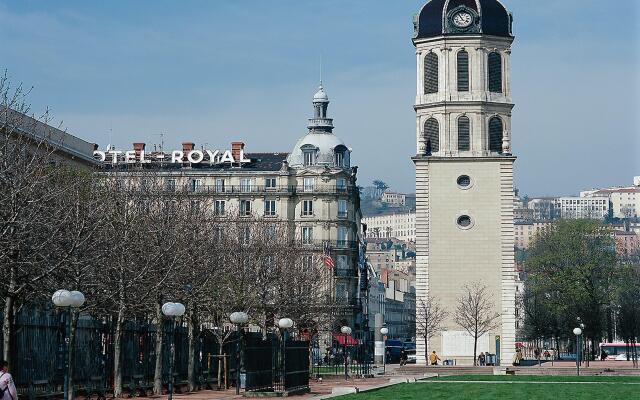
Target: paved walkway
[[318, 389]]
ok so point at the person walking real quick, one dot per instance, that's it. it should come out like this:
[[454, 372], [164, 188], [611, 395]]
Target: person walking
[[403, 357], [433, 358], [7, 387], [482, 359]]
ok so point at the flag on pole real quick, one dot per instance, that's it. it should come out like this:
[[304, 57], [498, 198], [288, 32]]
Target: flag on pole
[[326, 256]]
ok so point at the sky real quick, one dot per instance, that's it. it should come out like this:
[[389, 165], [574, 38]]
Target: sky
[[217, 71]]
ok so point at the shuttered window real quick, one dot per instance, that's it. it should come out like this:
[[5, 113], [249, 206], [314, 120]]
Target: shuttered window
[[432, 135], [495, 134], [464, 134], [495, 72], [463, 71], [431, 73]]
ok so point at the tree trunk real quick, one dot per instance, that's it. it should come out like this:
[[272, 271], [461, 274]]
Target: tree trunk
[[191, 366], [426, 349], [117, 354], [157, 374], [72, 352], [475, 349], [7, 323], [7, 329], [220, 349]]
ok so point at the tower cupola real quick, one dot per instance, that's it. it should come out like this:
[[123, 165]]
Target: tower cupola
[[320, 123]]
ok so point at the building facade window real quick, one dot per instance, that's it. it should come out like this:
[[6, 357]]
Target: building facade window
[[245, 238], [339, 159], [495, 72], [270, 208], [219, 207], [496, 130], [245, 208], [464, 133], [341, 262], [219, 185], [270, 183], [431, 73], [196, 185], [309, 184], [342, 208], [432, 135], [245, 185], [307, 235], [342, 236], [463, 71], [307, 208], [170, 185], [341, 184], [309, 157]]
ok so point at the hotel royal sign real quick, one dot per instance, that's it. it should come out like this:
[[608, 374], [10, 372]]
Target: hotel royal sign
[[174, 157]]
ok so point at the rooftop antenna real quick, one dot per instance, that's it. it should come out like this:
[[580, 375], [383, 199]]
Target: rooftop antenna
[[321, 70], [161, 140]]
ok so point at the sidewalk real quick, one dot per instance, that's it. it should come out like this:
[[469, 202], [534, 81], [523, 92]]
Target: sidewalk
[[318, 389]]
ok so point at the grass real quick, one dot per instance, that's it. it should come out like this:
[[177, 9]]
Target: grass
[[440, 389], [534, 378]]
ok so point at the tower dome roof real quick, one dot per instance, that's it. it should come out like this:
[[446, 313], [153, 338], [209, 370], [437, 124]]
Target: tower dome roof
[[321, 95], [324, 147], [437, 18]]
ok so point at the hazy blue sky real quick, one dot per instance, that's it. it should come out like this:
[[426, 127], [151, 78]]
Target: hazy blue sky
[[217, 71]]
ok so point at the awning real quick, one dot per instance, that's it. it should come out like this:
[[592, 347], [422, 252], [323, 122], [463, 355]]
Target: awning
[[341, 338]]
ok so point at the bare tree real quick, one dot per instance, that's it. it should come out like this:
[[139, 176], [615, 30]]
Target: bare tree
[[430, 317], [475, 313]]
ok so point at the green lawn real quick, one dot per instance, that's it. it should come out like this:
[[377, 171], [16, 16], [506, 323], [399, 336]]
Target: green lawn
[[439, 389], [526, 378]]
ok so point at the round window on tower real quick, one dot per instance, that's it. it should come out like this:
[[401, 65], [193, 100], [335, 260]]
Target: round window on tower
[[464, 222], [464, 182]]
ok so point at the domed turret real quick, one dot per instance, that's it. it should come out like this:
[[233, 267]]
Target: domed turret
[[320, 147], [455, 17]]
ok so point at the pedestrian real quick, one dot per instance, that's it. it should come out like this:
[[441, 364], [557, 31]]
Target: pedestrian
[[7, 387], [482, 359], [603, 355], [517, 358], [403, 357], [547, 355], [433, 358]]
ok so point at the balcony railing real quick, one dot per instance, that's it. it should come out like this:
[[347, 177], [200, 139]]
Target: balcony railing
[[334, 244], [254, 189]]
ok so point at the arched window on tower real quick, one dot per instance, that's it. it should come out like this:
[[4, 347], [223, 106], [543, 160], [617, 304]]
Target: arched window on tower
[[495, 72], [431, 73], [463, 71], [432, 135], [496, 130], [464, 128]]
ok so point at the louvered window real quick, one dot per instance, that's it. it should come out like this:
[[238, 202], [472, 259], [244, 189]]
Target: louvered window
[[463, 71], [495, 72], [431, 73], [464, 134], [432, 135], [495, 134]]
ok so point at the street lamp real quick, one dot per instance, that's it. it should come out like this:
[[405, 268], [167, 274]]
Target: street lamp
[[238, 318], [578, 333], [66, 300], [172, 310], [346, 331], [384, 331], [284, 324]]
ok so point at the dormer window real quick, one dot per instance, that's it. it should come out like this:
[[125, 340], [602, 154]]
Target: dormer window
[[309, 154], [341, 156]]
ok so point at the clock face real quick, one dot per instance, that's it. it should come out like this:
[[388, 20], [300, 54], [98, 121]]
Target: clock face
[[462, 19]]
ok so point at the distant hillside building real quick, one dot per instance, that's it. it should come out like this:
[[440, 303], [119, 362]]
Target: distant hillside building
[[394, 199], [401, 226]]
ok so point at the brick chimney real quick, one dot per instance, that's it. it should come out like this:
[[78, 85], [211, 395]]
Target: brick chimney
[[236, 148], [138, 147]]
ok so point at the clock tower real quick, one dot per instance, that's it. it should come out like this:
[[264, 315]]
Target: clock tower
[[464, 169]]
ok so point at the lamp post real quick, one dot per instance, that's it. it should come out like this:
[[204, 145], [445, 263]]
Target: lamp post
[[384, 331], [238, 318], [66, 300], [578, 333], [346, 331], [172, 310], [284, 324]]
